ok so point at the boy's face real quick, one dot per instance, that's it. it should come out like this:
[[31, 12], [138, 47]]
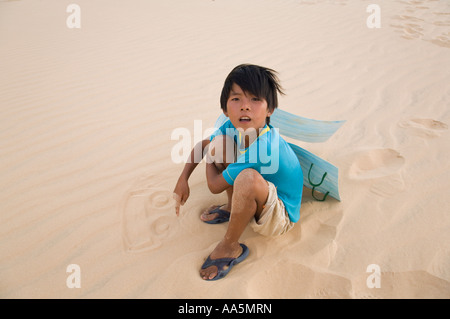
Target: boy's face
[[246, 110]]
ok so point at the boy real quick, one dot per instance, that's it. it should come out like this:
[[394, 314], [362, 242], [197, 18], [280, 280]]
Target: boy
[[264, 182]]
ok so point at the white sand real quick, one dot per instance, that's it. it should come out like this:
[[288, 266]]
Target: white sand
[[86, 173]]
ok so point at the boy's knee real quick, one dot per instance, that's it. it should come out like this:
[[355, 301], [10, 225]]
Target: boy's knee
[[249, 179]]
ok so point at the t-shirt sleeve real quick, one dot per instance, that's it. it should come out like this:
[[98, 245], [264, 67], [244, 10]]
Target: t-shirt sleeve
[[250, 159], [233, 170], [221, 130]]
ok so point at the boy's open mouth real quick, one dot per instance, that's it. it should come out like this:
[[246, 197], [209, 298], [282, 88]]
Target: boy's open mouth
[[244, 119]]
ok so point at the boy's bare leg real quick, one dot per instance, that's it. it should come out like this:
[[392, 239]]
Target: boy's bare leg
[[250, 194], [218, 150]]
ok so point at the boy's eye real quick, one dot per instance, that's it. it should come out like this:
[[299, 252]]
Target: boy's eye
[[256, 99], [235, 99]]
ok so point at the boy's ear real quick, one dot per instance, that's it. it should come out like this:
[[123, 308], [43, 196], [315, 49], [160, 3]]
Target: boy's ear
[[225, 112]]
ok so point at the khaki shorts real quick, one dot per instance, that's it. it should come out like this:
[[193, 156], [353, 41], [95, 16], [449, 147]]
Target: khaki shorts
[[274, 219]]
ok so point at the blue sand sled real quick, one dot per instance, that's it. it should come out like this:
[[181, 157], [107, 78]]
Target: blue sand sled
[[303, 129], [318, 174]]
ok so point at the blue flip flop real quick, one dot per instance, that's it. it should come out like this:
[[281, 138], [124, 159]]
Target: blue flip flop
[[224, 265], [223, 216]]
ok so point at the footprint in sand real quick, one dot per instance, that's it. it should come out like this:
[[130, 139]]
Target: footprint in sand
[[148, 217], [427, 21], [376, 163], [427, 128]]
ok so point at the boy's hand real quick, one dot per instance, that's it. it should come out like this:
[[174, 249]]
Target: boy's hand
[[180, 193]]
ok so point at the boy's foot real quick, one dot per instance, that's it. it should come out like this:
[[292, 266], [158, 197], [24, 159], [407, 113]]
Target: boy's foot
[[222, 259], [208, 215]]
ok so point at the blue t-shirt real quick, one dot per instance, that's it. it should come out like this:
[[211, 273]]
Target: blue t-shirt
[[274, 159]]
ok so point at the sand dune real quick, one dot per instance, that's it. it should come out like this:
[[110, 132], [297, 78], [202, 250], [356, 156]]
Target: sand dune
[[86, 172]]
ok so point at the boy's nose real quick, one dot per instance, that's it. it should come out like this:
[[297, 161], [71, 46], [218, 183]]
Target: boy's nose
[[245, 106]]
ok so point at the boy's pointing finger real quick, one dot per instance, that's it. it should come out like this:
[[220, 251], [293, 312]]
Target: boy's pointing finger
[[177, 199]]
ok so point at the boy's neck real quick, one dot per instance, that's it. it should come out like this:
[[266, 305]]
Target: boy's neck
[[250, 135]]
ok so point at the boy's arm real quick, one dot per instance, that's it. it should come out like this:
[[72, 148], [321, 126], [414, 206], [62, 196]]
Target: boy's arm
[[194, 158], [216, 183], [181, 191]]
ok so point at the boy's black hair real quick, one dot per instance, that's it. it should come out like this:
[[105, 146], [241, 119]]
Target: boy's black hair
[[257, 80]]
